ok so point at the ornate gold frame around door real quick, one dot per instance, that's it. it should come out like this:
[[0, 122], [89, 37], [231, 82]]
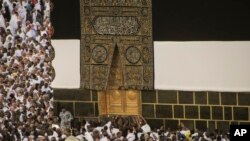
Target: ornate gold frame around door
[[115, 100], [122, 24], [117, 53]]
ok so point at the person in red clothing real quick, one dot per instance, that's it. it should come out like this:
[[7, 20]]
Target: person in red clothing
[[33, 2]]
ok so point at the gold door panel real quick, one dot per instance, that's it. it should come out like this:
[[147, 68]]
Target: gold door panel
[[119, 102]]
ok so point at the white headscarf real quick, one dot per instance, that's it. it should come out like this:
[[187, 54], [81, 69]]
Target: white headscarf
[[2, 21], [13, 22]]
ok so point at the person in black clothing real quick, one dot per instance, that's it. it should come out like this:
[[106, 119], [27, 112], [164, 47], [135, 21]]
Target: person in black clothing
[[29, 8], [1, 3], [6, 14]]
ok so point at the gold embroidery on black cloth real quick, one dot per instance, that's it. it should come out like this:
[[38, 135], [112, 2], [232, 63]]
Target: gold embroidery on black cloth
[[122, 24]]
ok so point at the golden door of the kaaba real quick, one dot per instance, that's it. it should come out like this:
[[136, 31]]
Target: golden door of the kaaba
[[117, 53], [115, 100]]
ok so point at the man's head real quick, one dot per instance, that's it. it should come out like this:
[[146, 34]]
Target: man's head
[[118, 134], [63, 109]]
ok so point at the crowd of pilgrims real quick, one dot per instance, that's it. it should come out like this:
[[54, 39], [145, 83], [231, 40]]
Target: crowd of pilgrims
[[25, 69], [26, 98], [114, 131]]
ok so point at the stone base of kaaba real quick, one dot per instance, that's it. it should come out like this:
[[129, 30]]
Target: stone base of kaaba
[[201, 110]]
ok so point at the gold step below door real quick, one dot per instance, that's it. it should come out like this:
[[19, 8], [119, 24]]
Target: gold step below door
[[119, 102]]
